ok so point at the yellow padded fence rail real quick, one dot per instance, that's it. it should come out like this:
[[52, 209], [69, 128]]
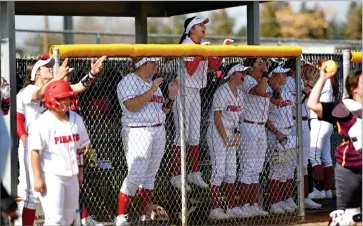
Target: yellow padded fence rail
[[173, 50], [356, 57]]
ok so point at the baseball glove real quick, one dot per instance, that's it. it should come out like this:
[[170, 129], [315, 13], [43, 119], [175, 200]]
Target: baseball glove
[[157, 213]]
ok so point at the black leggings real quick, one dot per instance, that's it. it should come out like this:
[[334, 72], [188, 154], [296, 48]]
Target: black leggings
[[348, 187]]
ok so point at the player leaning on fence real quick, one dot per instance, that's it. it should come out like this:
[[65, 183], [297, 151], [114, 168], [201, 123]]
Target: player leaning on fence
[[143, 133], [308, 72], [253, 143], [282, 166], [223, 139], [195, 79]]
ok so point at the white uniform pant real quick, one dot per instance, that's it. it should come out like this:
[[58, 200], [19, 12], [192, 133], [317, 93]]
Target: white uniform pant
[[26, 185], [306, 143], [60, 201], [252, 152], [280, 171], [192, 116], [223, 159], [320, 149], [144, 149]]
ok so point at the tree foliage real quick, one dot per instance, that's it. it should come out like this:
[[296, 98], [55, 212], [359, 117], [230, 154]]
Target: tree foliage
[[353, 29]]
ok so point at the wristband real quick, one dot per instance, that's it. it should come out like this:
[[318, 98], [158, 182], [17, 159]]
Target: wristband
[[92, 76], [87, 80]]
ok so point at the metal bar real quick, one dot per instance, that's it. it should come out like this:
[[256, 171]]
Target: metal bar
[[300, 165], [271, 39], [57, 61], [68, 25], [253, 23], [141, 23], [183, 143], [8, 71], [346, 68]]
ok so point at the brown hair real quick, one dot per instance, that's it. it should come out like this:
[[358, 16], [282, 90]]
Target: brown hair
[[333, 80], [28, 72], [351, 82]]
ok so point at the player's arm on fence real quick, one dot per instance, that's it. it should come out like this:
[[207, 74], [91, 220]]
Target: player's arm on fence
[[173, 89], [87, 80], [314, 97]]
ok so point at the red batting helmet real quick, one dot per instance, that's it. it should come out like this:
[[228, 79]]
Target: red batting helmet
[[58, 90]]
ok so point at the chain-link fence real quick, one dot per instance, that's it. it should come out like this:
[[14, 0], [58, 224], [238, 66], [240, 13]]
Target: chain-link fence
[[32, 42], [240, 169]]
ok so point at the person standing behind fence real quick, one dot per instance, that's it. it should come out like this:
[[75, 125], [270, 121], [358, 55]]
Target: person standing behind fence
[[320, 148], [195, 79], [5, 96], [346, 116], [57, 141], [223, 139], [30, 105], [308, 71], [253, 143], [280, 124], [143, 133]]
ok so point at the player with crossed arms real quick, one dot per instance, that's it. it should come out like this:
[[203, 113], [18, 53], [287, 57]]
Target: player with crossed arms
[[57, 141], [30, 105], [143, 133], [223, 139]]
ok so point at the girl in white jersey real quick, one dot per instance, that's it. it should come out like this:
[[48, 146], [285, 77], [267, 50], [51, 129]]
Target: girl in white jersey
[[143, 133], [307, 73], [223, 139], [320, 148], [57, 142], [29, 107], [195, 79]]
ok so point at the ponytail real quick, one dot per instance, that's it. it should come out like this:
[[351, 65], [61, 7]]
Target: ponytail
[[183, 37]]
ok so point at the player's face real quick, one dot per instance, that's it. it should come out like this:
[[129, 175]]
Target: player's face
[[45, 73], [239, 77], [358, 90], [199, 30], [152, 67]]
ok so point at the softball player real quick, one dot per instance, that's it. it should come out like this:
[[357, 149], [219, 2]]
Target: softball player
[[320, 148], [252, 151], [308, 71], [281, 122], [143, 133], [58, 138], [223, 139], [5, 96], [195, 79], [347, 116], [29, 107]]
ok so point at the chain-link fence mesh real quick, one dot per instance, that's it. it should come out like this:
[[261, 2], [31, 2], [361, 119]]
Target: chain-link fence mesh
[[258, 176]]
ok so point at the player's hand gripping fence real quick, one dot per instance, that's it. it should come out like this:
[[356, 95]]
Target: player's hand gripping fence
[[238, 173]]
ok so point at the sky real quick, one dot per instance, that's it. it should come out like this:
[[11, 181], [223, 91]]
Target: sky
[[339, 8]]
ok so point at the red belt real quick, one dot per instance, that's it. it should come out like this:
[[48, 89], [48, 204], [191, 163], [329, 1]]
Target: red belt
[[156, 125], [304, 118], [255, 123]]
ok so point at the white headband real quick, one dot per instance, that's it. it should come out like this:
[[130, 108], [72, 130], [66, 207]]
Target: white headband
[[146, 59], [196, 20], [237, 67]]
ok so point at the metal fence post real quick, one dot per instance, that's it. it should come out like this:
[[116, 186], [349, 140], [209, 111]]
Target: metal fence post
[[98, 38], [183, 143], [346, 69], [300, 165], [56, 58]]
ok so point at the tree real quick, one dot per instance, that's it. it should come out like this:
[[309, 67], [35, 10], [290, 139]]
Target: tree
[[353, 29], [269, 27], [242, 32], [310, 24], [337, 30], [34, 44], [303, 7], [221, 23], [173, 25]]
